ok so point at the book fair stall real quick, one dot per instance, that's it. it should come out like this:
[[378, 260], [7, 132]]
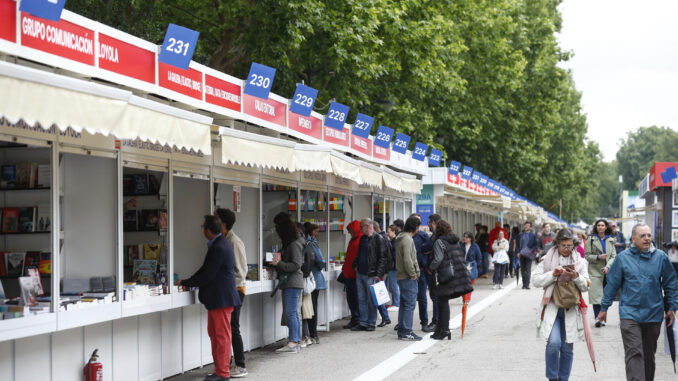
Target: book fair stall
[[106, 177]]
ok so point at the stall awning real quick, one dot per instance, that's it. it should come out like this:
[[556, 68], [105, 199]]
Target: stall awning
[[239, 147], [308, 157], [37, 96], [344, 167], [371, 175], [392, 179], [411, 185]]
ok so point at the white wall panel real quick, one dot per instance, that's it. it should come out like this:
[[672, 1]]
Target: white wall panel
[[33, 360], [7, 360], [98, 336], [171, 342], [126, 349], [150, 337], [68, 354], [191, 337]]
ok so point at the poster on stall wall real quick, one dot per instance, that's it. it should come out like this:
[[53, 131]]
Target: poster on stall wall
[[425, 203], [236, 198]]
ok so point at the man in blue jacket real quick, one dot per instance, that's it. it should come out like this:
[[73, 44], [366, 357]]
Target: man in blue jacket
[[527, 248], [642, 272], [216, 279]]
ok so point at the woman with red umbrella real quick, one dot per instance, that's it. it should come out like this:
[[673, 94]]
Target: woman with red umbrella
[[563, 276]]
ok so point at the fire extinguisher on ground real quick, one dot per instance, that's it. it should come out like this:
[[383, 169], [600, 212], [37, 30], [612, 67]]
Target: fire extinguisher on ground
[[94, 370]]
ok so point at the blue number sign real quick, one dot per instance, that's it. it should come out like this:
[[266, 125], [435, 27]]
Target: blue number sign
[[483, 180], [178, 47], [47, 9], [435, 157], [475, 177], [383, 137], [259, 80], [303, 100], [419, 152], [401, 143], [362, 126], [336, 116], [455, 167], [466, 173]]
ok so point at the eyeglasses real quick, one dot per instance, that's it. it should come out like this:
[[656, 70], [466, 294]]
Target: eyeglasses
[[566, 247]]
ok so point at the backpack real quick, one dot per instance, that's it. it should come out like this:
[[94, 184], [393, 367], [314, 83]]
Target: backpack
[[308, 255]]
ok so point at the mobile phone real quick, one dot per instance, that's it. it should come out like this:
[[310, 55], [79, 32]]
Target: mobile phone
[[569, 267]]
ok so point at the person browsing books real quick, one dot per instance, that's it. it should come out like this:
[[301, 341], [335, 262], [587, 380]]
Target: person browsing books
[[216, 279]]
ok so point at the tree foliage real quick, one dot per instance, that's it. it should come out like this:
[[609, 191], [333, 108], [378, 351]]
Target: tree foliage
[[476, 78]]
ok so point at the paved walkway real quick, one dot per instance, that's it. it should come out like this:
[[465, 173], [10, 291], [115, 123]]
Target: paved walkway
[[500, 343]]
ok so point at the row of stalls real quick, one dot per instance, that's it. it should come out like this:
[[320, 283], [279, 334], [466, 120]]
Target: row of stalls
[[657, 203]]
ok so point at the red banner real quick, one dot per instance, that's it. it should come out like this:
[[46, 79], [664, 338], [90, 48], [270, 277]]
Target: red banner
[[265, 109], [332, 135], [453, 179], [8, 17], [381, 153], [60, 38], [361, 145], [222, 93], [187, 82], [126, 59], [310, 126]]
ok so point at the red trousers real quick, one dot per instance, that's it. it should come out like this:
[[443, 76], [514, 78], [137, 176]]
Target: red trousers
[[219, 329]]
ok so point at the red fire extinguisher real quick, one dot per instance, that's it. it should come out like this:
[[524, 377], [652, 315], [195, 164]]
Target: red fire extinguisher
[[94, 370]]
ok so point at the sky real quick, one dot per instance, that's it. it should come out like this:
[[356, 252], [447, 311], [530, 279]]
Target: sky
[[625, 64]]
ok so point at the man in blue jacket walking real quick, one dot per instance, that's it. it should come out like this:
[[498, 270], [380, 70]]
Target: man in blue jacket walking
[[642, 272], [527, 247]]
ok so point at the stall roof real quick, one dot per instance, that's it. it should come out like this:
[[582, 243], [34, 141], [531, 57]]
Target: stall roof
[[37, 96]]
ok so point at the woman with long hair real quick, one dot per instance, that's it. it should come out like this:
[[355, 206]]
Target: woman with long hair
[[600, 253]]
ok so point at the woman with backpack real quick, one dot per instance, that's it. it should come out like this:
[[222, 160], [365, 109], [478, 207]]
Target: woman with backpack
[[317, 266], [451, 277], [600, 253]]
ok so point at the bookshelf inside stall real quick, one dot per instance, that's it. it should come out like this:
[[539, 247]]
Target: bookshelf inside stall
[[314, 208], [25, 229], [340, 216], [275, 199], [145, 235]]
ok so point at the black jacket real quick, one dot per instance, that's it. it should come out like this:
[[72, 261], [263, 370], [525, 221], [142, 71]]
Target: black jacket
[[446, 250], [390, 263], [377, 255], [216, 277]]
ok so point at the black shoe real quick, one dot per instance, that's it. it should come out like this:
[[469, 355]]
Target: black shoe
[[425, 328], [370, 328], [441, 335], [350, 325], [433, 327], [358, 328], [384, 323], [397, 326], [215, 377]]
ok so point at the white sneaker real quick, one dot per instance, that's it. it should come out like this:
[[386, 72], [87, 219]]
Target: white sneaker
[[303, 343], [494, 287], [393, 308], [309, 342], [501, 286], [238, 372]]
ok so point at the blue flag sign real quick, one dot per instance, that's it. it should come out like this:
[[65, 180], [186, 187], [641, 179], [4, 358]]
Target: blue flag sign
[[401, 143], [475, 178], [47, 9], [304, 98], [490, 184], [669, 174], [178, 47], [483, 180], [454, 168], [435, 157], [383, 137], [336, 116], [419, 152], [466, 173], [362, 126], [259, 81]]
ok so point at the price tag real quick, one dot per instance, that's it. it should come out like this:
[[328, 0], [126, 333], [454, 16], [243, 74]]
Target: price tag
[[383, 137], [419, 152], [47, 9], [454, 168], [401, 143], [466, 172], [435, 157], [178, 47], [362, 126], [303, 100], [475, 177], [336, 116], [259, 80]]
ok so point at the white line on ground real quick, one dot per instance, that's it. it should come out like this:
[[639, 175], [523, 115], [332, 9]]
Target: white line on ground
[[398, 360]]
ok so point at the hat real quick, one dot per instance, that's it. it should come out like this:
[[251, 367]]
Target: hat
[[668, 245]]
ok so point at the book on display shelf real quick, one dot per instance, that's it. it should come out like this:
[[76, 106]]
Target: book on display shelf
[[14, 263], [252, 272], [32, 261], [28, 290], [144, 271], [153, 251], [162, 219], [45, 266], [129, 220], [10, 220], [8, 180], [149, 219], [44, 175], [23, 175], [140, 184], [131, 254], [2, 294], [27, 219], [3, 269], [37, 282], [43, 220]]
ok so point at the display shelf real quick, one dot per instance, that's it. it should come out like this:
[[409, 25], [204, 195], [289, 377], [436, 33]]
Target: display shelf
[[141, 195], [146, 305], [183, 299], [27, 326], [24, 189], [89, 315], [253, 287], [25, 233]]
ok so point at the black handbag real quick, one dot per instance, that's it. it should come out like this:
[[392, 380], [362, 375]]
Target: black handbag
[[341, 279], [445, 273]]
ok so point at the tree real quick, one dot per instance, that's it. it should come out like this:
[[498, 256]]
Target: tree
[[641, 149]]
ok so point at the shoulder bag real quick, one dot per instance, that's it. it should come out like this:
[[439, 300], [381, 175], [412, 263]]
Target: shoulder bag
[[566, 294]]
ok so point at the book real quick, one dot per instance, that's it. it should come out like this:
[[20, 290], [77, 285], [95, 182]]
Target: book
[[23, 175], [149, 219], [2, 294], [28, 290], [45, 266], [33, 177], [144, 271], [26, 219], [8, 179], [44, 176], [3, 269], [14, 262], [152, 251], [140, 184], [252, 272], [43, 220], [127, 185], [37, 282], [10, 220], [129, 220], [153, 185], [162, 219], [32, 261]]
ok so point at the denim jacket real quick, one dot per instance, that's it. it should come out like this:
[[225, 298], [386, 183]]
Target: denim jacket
[[318, 265]]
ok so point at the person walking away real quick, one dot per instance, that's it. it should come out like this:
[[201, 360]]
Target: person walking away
[[290, 277], [500, 259], [312, 231], [424, 246], [391, 233], [407, 274], [448, 259], [227, 217], [600, 253], [648, 283], [216, 280], [382, 308], [513, 250], [618, 236], [545, 239], [527, 244], [561, 274], [350, 275], [371, 267]]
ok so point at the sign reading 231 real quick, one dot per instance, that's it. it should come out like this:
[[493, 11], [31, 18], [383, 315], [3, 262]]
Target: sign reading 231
[[178, 47]]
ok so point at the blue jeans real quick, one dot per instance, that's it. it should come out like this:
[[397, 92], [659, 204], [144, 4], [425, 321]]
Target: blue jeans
[[558, 352], [430, 282], [499, 273], [393, 287], [408, 297], [291, 298], [421, 298], [484, 266], [383, 312], [352, 299], [368, 311]]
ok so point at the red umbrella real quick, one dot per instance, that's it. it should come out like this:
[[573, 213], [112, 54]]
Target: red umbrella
[[467, 299], [587, 332]]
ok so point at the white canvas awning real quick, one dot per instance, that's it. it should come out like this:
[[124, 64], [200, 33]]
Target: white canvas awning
[[345, 167], [244, 148], [309, 157], [371, 175], [37, 96]]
